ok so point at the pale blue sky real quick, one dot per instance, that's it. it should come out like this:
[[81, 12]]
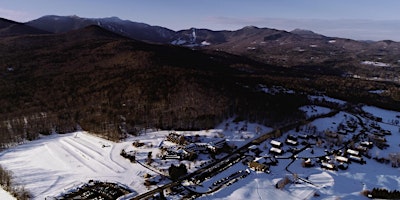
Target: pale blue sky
[[357, 19]]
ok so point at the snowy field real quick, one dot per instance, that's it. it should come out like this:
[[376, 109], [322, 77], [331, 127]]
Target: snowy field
[[387, 116], [51, 165], [312, 110], [4, 195], [55, 164]]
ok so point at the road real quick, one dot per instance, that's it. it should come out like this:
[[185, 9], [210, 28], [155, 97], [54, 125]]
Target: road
[[241, 150]]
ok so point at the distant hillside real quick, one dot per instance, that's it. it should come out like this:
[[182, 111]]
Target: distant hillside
[[308, 34], [298, 48], [134, 30], [11, 28]]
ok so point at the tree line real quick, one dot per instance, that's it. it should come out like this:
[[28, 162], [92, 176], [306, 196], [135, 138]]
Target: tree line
[[8, 184]]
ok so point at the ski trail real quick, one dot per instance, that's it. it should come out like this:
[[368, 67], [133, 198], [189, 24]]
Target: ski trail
[[83, 152], [73, 152]]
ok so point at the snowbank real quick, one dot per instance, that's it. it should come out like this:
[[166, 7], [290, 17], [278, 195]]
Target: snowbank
[[4, 195]]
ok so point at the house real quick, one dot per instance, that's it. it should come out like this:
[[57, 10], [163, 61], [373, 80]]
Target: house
[[291, 142], [329, 166], [308, 163], [352, 152], [324, 159], [276, 144], [361, 149], [253, 147], [202, 147], [379, 139], [176, 138], [343, 166], [292, 137], [258, 166], [357, 159], [313, 136], [247, 159], [182, 153], [378, 134], [367, 144], [303, 136], [191, 147], [386, 132], [276, 151], [271, 161], [342, 159], [217, 144]]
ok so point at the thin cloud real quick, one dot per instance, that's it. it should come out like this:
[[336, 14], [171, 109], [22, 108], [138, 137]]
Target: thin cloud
[[14, 15]]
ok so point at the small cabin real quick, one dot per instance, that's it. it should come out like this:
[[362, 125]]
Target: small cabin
[[378, 134], [357, 159], [313, 136], [308, 163], [291, 142], [292, 137], [217, 144], [276, 151], [386, 132], [342, 159], [329, 166], [352, 152], [303, 136], [191, 147], [367, 144], [276, 144], [361, 149], [379, 139], [343, 166], [253, 147]]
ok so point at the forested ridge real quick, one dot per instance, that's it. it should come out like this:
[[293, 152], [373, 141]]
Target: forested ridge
[[110, 85]]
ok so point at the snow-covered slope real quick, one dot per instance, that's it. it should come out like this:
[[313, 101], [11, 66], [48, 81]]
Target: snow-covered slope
[[50, 165], [4, 195]]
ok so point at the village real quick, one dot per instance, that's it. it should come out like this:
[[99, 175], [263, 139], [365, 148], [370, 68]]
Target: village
[[345, 143], [301, 160]]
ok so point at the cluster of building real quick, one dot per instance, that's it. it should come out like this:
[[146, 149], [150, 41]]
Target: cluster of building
[[256, 166], [186, 148], [340, 159]]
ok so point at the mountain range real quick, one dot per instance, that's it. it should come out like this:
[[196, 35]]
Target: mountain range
[[297, 48], [113, 76]]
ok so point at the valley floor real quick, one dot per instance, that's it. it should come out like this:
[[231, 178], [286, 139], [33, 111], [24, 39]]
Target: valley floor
[[58, 163]]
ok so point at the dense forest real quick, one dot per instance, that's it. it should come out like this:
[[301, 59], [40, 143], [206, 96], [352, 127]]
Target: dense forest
[[94, 80], [8, 183]]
